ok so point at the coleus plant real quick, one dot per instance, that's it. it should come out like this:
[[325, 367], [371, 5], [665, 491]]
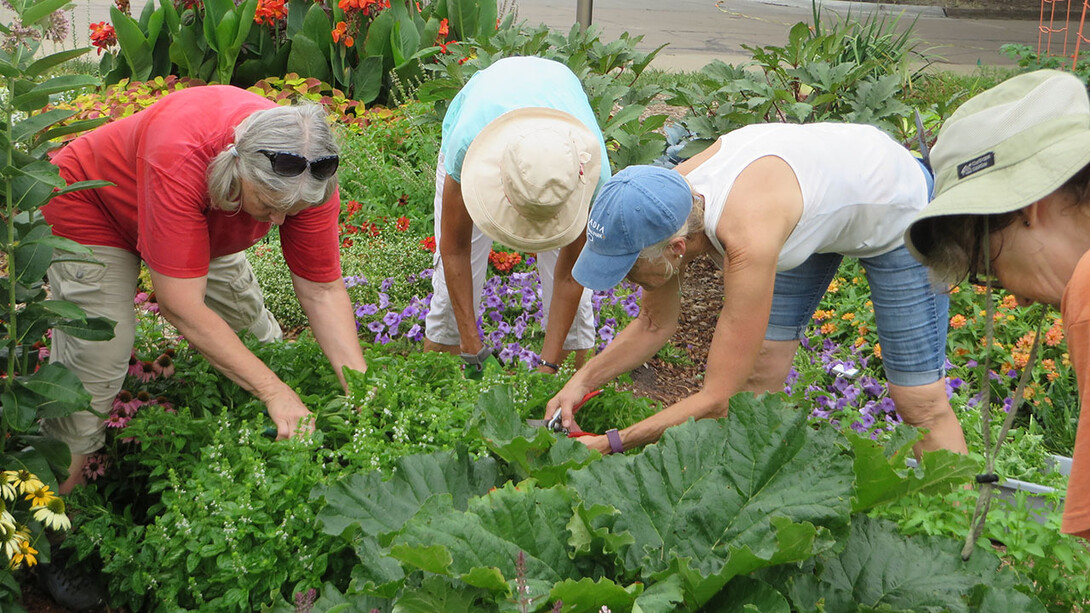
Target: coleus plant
[[758, 511]]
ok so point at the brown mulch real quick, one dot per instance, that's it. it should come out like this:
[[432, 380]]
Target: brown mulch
[[671, 380]]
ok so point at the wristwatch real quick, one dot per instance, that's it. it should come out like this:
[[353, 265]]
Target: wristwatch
[[477, 359], [615, 444]]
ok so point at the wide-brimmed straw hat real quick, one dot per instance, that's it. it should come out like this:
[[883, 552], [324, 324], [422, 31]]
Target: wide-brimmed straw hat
[[529, 176], [1005, 149]]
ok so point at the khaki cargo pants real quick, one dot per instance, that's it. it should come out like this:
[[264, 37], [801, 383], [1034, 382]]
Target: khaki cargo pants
[[107, 291]]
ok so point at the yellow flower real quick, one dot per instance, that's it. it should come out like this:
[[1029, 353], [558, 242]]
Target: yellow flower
[[878, 350], [24, 480], [834, 285], [7, 490], [40, 497], [9, 539], [52, 515], [26, 554]]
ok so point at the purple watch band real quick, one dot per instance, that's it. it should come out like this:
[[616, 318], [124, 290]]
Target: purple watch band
[[615, 445]]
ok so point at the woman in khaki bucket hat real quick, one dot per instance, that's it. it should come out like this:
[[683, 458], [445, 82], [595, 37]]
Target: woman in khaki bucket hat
[[1012, 180]]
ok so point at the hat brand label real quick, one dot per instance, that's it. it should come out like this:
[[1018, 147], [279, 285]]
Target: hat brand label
[[976, 164], [595, 230]]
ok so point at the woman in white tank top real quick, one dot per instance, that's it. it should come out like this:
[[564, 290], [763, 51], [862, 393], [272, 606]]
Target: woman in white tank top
[[777, 206]]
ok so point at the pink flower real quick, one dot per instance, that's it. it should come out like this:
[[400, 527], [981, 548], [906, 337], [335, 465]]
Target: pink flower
[[167, 405], [125, 405], [164, 366], [134, 365], [116, 420], [95, 466], [146, 373], [141, 298]]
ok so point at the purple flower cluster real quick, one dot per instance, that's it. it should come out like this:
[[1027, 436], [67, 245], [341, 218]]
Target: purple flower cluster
[[860, 398], [510, 313]]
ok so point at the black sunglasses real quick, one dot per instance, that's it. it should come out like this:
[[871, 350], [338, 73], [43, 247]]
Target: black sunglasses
[[292, 164]]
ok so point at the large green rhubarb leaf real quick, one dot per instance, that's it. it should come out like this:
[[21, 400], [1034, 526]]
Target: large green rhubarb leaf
[[717, 498], [510, 528], [381, 506], [882, 475], [881, 570], [529, 451]]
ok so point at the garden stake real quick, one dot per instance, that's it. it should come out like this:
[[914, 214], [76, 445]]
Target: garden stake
[[988, 479]]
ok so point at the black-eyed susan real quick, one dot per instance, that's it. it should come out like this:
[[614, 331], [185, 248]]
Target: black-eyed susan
[[9, 539], [40, 497], [52, 515], [24, 480], [24, 555], [7, 489]]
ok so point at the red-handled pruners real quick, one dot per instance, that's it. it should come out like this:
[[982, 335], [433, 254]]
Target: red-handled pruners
[[555, 424]]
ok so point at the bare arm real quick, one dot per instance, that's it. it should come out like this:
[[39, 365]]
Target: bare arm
[[633, 346], [181, 301], [565, 302], [762, 209], [455, 246], [330, 313]]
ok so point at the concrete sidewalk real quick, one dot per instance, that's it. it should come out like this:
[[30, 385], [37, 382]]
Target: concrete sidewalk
[[698, 31]]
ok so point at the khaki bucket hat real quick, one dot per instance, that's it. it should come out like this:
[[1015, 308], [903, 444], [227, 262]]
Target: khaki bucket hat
[[1006, 148], [528, 178]]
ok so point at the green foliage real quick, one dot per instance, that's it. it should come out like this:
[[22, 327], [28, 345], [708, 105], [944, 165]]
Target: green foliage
[[358, 47], [31, 389], [668, 528], [1032, 545], [855, 71], [1028, 59], [610, 73]]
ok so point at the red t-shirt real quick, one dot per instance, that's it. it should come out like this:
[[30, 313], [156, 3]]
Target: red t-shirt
[[159, 206], [1075, 310]]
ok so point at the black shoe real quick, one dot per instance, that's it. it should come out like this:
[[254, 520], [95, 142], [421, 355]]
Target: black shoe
[[69, 586]]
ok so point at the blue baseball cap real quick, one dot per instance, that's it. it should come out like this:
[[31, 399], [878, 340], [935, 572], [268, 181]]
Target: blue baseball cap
[[639, 207]]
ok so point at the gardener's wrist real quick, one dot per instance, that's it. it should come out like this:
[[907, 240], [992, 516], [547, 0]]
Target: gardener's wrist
[[553, 366], [477, 359]]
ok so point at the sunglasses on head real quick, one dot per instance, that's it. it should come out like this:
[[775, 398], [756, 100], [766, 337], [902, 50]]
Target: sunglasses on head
[[292, 164]]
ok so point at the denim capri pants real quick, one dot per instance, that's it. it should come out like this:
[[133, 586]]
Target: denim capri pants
[[911, 316]]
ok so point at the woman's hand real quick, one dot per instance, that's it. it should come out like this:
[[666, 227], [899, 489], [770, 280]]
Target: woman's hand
[[289, 413], [565, 401]]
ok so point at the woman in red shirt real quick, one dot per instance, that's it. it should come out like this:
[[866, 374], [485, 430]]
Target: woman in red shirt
[[199, 177]]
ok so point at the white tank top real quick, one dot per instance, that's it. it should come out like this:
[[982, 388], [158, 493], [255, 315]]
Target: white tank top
[[860, 188]]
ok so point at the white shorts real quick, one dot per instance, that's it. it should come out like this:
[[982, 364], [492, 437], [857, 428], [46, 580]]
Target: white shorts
[[440, 324]]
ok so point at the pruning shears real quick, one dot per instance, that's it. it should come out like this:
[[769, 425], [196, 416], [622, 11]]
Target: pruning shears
[[554, 424]]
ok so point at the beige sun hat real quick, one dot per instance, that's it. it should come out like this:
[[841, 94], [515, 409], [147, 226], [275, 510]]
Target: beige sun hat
[[1006, 148], [529, 176]]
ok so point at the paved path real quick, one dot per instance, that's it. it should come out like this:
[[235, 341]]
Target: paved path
[[699, 31]]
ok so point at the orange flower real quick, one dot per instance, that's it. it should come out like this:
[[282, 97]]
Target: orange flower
[[341, 33], [428, 244], [270, 12], [848, 316], [444, 29], [828, 328], [878, 350], [402, 223], [860, 341], [367, 7], [1055, 334], [103, 36], [958, 321], [1009, 301], [504, 261]]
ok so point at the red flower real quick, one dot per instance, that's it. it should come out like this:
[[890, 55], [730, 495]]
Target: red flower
[[367, 7], [103, 36], [346, 243], [444, 29], [341, 32], [504, 261], [428, 243], [270, 12], [402, 223]]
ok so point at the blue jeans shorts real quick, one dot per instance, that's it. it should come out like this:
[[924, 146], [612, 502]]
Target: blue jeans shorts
[[911, 314]]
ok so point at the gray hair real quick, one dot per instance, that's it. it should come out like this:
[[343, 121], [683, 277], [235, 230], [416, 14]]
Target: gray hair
[[694, 224], [299, 129]]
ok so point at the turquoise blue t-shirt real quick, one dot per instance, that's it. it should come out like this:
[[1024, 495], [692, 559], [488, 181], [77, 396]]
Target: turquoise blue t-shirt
[[509, 84]]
